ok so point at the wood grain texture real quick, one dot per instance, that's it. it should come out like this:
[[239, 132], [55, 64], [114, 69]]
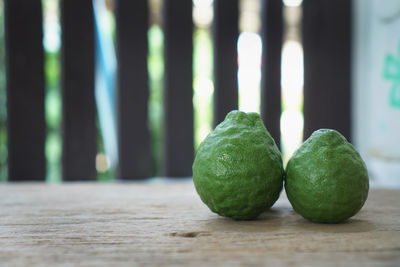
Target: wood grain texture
[[161, 223]]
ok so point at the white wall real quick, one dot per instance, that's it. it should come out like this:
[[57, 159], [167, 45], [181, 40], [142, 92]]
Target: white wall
[[376, 88]]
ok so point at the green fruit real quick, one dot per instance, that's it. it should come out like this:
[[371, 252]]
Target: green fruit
[[326, 179], [238, 170]]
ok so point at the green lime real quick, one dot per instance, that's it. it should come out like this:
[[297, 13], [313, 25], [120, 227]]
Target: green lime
[[326, 179], [238, 170]]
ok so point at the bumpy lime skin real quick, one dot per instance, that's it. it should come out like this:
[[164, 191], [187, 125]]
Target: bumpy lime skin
[[326, 179], [238, 171]]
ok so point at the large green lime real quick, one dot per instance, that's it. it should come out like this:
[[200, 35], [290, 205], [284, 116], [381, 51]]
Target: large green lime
[[326, 179], [238, 170]]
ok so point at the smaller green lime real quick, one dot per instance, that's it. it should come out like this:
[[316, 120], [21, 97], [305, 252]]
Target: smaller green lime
[[326, 179], [238, 170]]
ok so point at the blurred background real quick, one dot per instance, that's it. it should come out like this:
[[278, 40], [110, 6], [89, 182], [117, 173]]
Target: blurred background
[[375, 82]]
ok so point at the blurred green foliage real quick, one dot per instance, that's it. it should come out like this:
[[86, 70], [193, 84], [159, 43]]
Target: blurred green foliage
[[155, 108], [108, 175], [53, 116], [202, 66], [202, 84], [3, 105]]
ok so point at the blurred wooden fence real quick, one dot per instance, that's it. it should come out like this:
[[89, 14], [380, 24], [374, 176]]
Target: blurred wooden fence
[[326, 28]]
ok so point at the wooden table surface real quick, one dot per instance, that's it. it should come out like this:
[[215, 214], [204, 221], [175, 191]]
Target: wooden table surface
[[165, 223]]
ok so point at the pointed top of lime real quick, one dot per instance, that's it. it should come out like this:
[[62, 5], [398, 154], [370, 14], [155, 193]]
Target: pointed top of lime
[[238, 170], [326, 178]]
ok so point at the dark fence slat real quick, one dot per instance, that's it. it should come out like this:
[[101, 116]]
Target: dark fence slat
[[225, 36], [133, 89], [79, 127], [272, 35], [25, 90], [327, 45], [178, 89]]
